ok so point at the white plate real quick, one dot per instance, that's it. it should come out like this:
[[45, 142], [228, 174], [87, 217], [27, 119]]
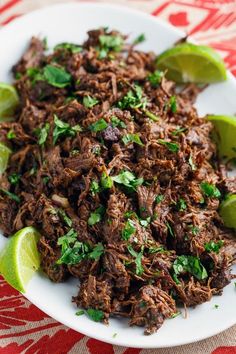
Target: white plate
[[69, 22]]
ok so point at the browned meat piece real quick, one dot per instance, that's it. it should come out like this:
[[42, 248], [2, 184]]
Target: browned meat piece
[[80, 162], [32, 57], [150, 307], [111, 134], [8, 210]]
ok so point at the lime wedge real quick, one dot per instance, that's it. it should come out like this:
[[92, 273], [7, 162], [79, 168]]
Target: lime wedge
[[19, 260], [188, 62], [224, 135], [9, 101], [228, 211], [4, 157]]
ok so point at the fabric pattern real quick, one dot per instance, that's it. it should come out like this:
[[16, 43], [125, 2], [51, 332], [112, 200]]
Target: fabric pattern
[[26, 329]]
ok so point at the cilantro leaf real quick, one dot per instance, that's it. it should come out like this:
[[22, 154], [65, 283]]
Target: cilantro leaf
[[96, 216], [173, 104], [159, 198], [191, 163], [94, 188], [106, 181], [141, 38], [178, 131], [169, 227], [128, 230], [132, 138], [98, 126], [116, 122], [138, 259], [109, 43], [181, 204], [133, 99], [213, 246], [97, 251], [89, 101], [155, 78], [11, 134], [73, 48], [56, 76], [63, 129], [14, 178], [210, 190], [80, 313], [42, 133], [189, 264], [173, 147], [10, 195], [95, 315], [156, 249], [151, 116], [64, 217], [127, 179]]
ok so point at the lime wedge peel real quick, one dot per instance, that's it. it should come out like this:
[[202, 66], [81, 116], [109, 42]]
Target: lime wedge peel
[[187, 62], [228, 211], [224, 135], [20, 259], [5, 153], [9, 101]]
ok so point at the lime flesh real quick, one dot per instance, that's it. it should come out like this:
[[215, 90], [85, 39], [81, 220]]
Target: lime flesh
[[224, 135], [4, 157], [9, 101], [228, 211], [19, 259], [188, 62]]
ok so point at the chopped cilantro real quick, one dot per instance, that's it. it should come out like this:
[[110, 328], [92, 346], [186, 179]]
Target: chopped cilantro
[[116, 122], [213, 246], [133, 99], [94, 188], [173, 147], [10, 195], [216, 306], [64, 217], [114, 335], [169, 227], [80, 313], [178, 131], [127, 179], [14, 178], [96, 216], [128, 230], [151, 116], [145, 222], [95, 315], [155, 78], [89, 101], [189, 264], [173, 104], [98, 126], [96, 150], [56, 76], [109, 43], [96, 252], [159, 198], [132, 138], [156, 249], [176, 314], [210, 190], [42, 133], [141, 38], [181, 204], [194, 229], [73, 48], [11, 134], [62, 129], [138, 259], [46, 179], [106, 181]]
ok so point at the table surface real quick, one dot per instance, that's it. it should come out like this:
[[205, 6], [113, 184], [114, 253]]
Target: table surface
[[26, 329]]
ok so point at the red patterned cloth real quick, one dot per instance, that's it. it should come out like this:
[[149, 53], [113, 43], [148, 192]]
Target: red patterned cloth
[[26, 329]]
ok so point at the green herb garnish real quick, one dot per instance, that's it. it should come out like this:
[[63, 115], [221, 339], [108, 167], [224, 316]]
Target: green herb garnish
[[11, 135], [210, 190], [191, 163], [128, 230], [133, 99], [14, 178], [42, 133], [106, 181], [63, 129], [181, 204], [178, 131], [151, 116], [116, 122], [127, 179], [98, 126], [141, 38], [89, 101], [138, 259], [73, 48], [109, 43], [80, 313], [189, 264], [94, 188], [96, 216], [132, 138], [173, 147], [64, 217], [56, 76], [159, 198], [155, 78], [10, 195], [213, 246], [173, 104], [169, 227], [95, 315]]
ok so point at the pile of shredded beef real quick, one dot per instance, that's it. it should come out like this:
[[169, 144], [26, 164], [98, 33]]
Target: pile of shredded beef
[[119, 174]]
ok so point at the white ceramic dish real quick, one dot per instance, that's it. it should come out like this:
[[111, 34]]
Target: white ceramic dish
[[69, 22]]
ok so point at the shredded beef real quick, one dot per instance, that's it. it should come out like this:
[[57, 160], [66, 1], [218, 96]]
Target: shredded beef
[[110, 166]]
